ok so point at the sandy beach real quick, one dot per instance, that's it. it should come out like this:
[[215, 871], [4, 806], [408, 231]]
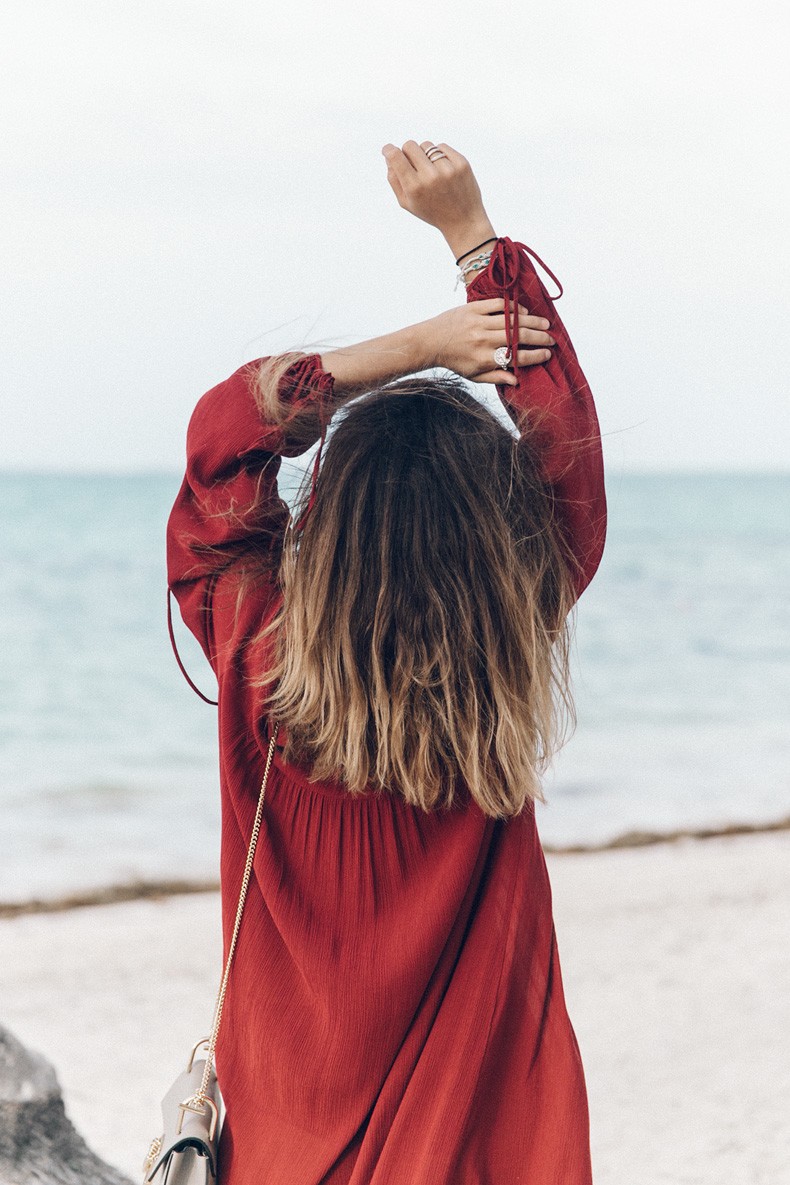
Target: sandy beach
[[676, 965]]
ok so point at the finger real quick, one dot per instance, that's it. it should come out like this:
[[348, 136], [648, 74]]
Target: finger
[[454, 157], [528, 357], [417, 158], [396, 187], [428, 146], [493, 304], [502, 377], [524, 317], [397, 164], [535, 337], [506, 377], [497, 324], [528, 337]]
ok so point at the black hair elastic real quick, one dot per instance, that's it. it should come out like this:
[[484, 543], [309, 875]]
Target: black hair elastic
[[477, 248]]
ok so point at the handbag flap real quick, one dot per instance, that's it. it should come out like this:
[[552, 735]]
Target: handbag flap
[[195, 1126]]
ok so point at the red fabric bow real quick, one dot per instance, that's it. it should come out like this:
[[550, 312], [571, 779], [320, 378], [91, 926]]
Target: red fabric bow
[[506, 263]]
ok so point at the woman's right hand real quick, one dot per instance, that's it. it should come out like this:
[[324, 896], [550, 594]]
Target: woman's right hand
[[443, 192], [464, 340]]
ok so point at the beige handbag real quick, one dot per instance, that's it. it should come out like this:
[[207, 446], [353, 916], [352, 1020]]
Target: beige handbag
[[186, 1152]]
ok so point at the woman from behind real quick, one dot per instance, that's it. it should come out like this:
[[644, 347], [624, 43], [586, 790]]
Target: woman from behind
[[395, 1014]]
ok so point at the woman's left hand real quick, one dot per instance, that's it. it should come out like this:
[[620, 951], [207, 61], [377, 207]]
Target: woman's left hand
[[464, 340]]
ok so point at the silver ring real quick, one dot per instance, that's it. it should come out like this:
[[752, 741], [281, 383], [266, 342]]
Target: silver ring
[[503, 357], [433, 153]]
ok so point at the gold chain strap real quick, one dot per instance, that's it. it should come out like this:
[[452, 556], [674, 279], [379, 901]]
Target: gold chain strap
[[198, 1100]]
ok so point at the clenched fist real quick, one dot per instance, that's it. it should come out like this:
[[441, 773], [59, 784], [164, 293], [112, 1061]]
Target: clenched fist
[[442, 191]]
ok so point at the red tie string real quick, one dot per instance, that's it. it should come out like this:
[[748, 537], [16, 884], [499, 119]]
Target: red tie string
[[507, 261]]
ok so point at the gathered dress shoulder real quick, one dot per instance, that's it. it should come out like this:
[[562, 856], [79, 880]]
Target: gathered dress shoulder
[[395, 1013]]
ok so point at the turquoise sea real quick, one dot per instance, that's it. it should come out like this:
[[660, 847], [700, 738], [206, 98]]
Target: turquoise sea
[[108, 760]]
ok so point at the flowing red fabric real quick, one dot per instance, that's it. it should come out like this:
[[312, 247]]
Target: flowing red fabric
[[395, 1014]]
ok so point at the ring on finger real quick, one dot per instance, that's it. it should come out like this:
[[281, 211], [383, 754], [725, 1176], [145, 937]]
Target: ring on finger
[[503, 357], [433, 153]]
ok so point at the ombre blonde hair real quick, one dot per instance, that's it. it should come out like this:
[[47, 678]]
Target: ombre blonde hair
[[422, 642]]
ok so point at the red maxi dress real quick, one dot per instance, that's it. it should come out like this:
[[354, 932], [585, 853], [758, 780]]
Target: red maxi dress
[[395, 1014]]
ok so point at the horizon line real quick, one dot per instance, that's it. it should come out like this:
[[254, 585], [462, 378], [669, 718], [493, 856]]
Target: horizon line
[[636, 471]]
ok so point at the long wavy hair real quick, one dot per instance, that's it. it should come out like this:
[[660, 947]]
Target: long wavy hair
[[422, 641]]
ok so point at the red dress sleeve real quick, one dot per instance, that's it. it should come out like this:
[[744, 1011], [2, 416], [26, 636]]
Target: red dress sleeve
[[229, 505], [553, 405]]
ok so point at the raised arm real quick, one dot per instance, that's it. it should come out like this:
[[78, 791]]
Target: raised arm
[[229, 508], [553, 407], [546, 394], [228, 505]]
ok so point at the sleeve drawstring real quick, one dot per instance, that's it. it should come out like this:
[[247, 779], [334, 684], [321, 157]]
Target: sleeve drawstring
[[506, 263], [214, 703]]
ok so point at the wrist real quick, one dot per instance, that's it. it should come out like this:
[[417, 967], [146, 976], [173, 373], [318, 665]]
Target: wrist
[[464, 238], [380, 360], [422, 346]]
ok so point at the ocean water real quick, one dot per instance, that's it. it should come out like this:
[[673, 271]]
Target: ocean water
[[108, 761]]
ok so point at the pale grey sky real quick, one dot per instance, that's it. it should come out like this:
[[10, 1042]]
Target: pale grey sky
[[191, 185]]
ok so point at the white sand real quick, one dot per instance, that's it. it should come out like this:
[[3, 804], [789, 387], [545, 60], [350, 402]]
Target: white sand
[[676, 962]]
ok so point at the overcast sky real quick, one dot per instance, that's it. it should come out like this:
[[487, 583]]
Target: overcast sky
[[189, 185]]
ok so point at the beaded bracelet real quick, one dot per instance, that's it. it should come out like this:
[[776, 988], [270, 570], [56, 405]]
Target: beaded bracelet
[[472, 266]]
